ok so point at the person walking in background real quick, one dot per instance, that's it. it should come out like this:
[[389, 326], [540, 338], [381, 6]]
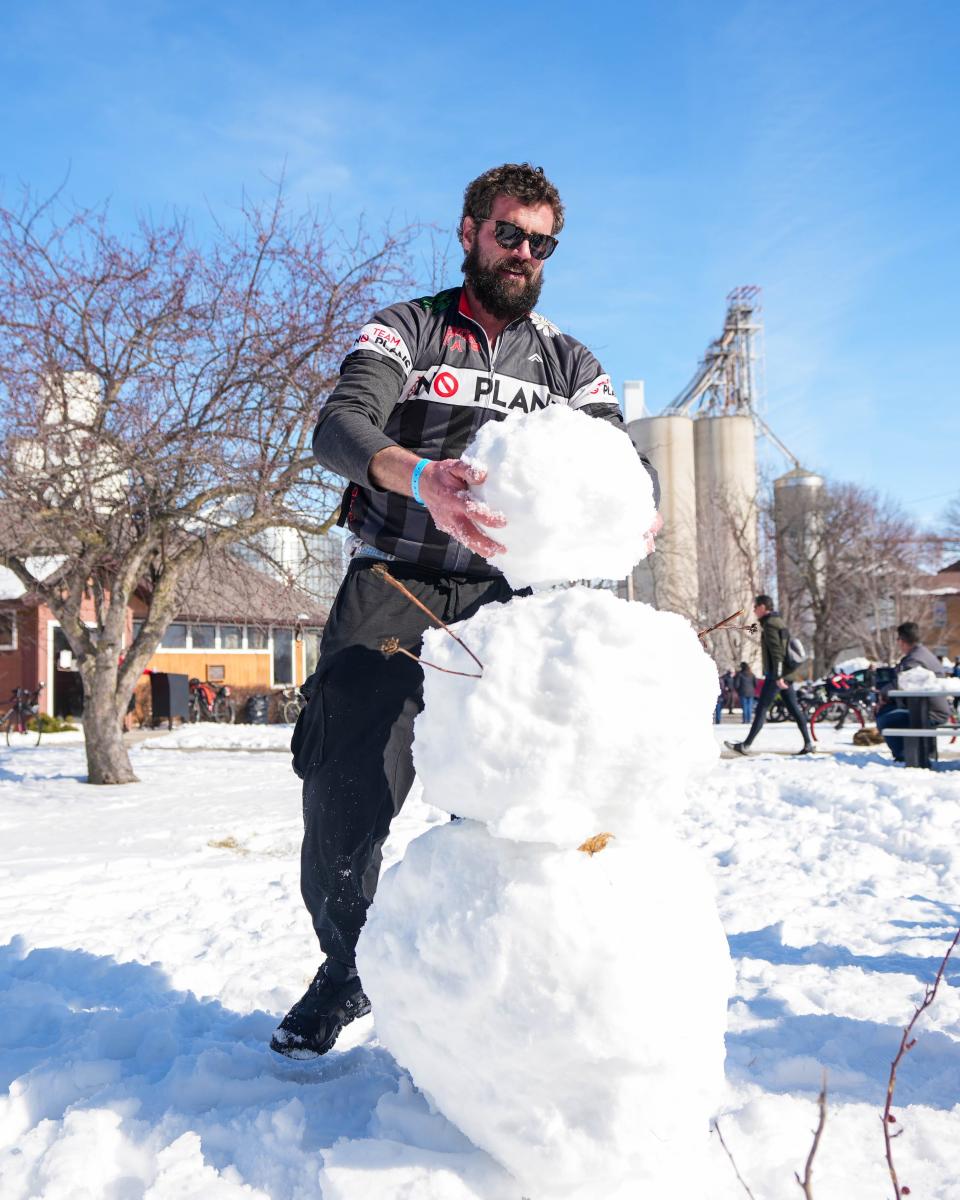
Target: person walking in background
[[728, 690], [778, 672], [745, 683]]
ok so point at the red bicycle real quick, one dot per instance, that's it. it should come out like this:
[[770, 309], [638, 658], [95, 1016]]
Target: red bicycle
[[210, 703], [21, 722]]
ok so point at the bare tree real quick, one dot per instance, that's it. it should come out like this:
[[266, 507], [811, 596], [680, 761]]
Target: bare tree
[[849, 576], [951, 527], [158, 403], [733, 566]]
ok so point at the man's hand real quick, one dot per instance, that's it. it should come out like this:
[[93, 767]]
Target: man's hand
[[650, 536], [444, 486]]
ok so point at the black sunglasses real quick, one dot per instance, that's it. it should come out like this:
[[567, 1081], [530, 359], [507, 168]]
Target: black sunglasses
[[510, 236]]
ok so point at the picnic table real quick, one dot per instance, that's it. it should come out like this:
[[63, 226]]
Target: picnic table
[[920, 748]]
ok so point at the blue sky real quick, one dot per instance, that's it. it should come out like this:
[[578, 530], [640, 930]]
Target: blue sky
[[811, 148]]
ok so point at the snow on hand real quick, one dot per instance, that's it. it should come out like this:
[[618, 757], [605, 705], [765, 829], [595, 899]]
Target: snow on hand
[[576, 497]]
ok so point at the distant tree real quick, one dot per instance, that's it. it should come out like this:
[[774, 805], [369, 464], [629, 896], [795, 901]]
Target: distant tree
[[851, 577], [158, 400], [734, 565], [951, 524]]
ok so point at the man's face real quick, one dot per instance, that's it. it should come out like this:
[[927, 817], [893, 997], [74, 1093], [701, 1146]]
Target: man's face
[[506, 282], [760, 610]]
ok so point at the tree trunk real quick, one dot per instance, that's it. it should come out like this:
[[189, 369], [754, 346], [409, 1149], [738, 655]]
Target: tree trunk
[[107, 758]]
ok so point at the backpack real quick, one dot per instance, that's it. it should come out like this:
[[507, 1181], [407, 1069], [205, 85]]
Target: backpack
[[795, 654]]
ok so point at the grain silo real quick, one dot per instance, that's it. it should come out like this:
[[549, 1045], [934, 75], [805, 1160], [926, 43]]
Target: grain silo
[[727, 537], [668, 579], [801, 559]]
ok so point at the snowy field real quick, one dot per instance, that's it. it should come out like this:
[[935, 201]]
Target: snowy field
[[152, 935]]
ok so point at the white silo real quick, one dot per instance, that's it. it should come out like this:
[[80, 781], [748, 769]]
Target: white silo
[[727, 535], [668, 578]]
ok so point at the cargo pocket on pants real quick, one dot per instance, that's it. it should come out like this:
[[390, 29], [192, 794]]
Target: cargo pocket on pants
[[306, 744]]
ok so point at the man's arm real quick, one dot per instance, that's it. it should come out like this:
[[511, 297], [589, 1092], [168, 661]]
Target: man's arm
[[349, 430], [350, 440]]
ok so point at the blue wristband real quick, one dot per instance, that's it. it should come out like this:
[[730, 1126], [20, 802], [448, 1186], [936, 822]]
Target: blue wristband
[[415, 479]]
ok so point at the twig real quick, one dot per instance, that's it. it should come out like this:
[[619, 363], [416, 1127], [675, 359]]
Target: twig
[[716, 1130], [907, 1043], [733, 616], [380, 570], [806, 1183], [391, 645]]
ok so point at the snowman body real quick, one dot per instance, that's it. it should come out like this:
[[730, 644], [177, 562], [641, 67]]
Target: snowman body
[[565, 1009]]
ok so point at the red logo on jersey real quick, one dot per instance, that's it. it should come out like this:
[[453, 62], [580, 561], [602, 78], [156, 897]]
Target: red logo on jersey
[[445, 384], [460, 339]]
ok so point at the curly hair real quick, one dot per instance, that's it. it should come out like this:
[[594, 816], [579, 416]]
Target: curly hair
[[520, 180]]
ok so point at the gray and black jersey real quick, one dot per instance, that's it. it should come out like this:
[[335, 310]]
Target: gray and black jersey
[[423, 375]]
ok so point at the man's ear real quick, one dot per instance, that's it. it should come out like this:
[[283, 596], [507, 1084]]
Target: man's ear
[[468, 233]]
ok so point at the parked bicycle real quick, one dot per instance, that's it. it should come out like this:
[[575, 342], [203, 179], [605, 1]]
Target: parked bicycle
[[291, 704], [808, 695], [849, 704], [21, 722], [210, 703]]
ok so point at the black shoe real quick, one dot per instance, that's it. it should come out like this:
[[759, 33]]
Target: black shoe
[[738, 747], [809, 748], [313, 1024]]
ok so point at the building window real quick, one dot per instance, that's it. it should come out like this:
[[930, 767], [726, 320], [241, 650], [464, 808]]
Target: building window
[[231, 637], [939, 613], [203, 637], [282, 665], [8, 631], [175, 637], [137, 626], [257, 638]]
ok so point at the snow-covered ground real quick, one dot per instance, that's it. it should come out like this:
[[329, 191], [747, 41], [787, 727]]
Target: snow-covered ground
[[152, 935]]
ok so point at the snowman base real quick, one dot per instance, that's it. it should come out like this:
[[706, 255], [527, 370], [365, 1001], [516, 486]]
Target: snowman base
[[513, 980]]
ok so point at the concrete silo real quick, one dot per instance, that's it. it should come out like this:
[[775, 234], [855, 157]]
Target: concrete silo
[[727, 535], [668, 578], [801, 558]]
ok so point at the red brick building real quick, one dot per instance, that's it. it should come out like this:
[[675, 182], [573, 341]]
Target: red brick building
[[235, 624]]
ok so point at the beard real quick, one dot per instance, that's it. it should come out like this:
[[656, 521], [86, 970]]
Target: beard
[[503, 297]]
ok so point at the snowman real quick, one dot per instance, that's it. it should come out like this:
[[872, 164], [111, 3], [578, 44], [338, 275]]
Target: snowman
[[550, 967]]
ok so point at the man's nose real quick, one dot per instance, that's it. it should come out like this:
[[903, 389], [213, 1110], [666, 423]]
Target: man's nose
[[523, 251]]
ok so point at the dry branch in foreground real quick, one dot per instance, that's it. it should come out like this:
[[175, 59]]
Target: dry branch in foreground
[[907, 1042]]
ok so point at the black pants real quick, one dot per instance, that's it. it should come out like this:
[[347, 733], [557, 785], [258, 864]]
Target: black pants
[[352, 743], [765, 699]]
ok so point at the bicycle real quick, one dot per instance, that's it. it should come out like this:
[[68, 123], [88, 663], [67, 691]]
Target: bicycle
[[845, 704], [291, 705], [23, 713], [209, 703]]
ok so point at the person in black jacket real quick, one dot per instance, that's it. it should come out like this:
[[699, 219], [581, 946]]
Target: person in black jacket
[[745, 683], [775, 677], [894, 713], [421, 378]]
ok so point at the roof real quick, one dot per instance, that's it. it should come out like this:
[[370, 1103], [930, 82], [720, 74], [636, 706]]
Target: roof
[[224, 587], [944, 583]]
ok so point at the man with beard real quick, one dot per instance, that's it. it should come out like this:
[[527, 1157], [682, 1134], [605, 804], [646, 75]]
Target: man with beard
[[421, 379]]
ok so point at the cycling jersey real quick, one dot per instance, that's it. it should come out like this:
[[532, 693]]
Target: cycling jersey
[[423, 375]]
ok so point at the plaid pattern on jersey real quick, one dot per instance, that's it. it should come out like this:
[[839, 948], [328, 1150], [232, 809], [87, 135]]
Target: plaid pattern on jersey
[[437, 381]]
